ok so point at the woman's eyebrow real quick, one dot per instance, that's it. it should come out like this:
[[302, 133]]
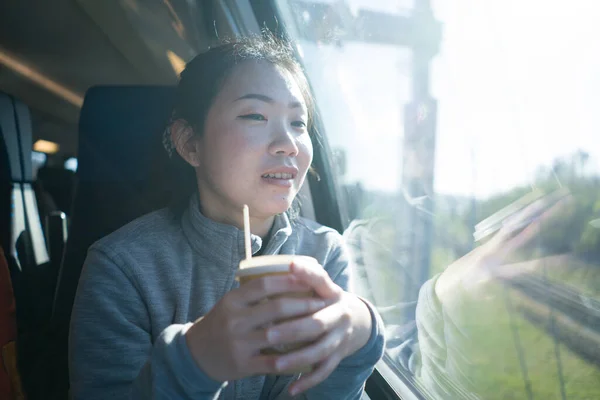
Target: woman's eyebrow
[[266, 99]]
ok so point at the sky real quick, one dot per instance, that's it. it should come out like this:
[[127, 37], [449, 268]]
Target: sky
[[517, 84]]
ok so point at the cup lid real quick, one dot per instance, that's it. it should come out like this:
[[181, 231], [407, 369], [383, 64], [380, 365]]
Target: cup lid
[[269, 264]]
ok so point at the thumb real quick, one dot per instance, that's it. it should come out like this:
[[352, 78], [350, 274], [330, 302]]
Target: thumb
[[313, 275]]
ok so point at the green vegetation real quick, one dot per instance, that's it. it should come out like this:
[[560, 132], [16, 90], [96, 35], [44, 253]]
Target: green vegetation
[[570, 232], [496, 372], [494, 368]]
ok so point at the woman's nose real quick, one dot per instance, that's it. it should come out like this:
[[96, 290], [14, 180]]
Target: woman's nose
[[284, 143]]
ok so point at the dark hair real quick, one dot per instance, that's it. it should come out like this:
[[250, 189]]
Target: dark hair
[[203, 78], [205, 75]]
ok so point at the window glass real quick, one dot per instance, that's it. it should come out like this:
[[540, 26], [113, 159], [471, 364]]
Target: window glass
[[36, 233], [469, 185], [38, 160], [17, 220]]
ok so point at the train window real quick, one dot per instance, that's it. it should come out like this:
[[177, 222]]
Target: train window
[[470, 183], [71, 164], [38, 160]]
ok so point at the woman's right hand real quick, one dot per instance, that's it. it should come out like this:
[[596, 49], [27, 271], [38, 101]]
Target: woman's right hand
[[227, 341]]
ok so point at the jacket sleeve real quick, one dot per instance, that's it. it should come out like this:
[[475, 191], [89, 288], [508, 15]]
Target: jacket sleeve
[[111, 353]]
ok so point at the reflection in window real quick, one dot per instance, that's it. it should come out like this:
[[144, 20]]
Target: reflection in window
[[480, 244]]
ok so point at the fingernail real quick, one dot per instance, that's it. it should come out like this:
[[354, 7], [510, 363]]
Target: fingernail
[[294, 391], [273, 335]]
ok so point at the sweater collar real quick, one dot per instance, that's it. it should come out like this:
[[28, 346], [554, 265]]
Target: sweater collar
[[215, 239]]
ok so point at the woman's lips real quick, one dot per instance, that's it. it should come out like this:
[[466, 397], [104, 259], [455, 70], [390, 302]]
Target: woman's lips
[[281, 182], [280, 176]]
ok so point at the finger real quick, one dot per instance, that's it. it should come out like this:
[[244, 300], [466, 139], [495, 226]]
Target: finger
[[251, 346], [281, 308], [314, 353], [545, 202], [254, 341], [508, 250], [316, 277], [530, 214], [261, 364], [308, 328], [262, 288], [533, 229], [315, 377]]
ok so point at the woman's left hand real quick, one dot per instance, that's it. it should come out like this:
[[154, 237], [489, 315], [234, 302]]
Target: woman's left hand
[[339, 329]]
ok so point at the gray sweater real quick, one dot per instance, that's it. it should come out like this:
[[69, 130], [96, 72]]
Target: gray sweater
[[141, 287]]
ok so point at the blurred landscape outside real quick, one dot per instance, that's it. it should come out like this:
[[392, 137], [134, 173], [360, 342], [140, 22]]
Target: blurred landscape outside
[[516, 85]]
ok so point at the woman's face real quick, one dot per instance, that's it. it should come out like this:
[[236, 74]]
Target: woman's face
[[255, 148]]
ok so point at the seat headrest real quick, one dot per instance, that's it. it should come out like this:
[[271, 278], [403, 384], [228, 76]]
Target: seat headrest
[[119, 128], [120, 149]]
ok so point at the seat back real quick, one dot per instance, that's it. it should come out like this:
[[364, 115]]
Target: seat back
[[9, 167], [21, 232], [119, 159], [10, 380], [120, 136]]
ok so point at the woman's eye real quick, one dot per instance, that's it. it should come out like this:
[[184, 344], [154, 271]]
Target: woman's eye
[[253, 117], [299, 124]]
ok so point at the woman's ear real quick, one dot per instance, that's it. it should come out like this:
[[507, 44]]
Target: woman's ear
[[184, 140]]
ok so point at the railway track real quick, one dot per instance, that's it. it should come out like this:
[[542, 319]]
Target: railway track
[[563, 312], [583, 309]]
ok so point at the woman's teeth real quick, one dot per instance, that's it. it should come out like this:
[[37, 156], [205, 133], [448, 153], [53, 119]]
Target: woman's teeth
[[278, 176]]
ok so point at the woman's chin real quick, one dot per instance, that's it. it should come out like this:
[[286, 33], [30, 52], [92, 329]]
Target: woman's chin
[[274, 206]]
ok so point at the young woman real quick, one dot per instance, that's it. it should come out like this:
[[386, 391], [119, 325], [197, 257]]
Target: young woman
[[158, 313]]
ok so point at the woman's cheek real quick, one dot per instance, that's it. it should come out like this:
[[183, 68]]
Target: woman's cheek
[[305, 151]]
